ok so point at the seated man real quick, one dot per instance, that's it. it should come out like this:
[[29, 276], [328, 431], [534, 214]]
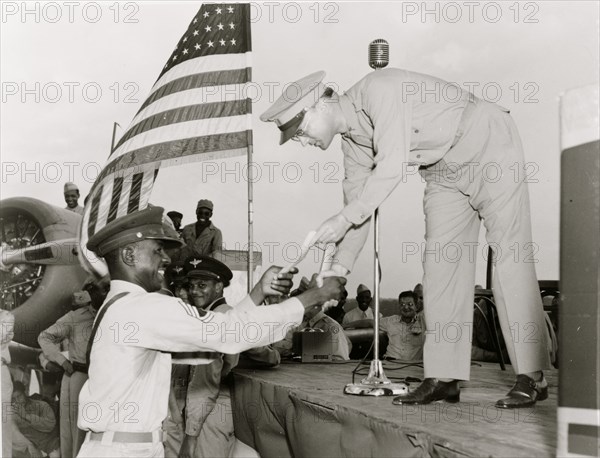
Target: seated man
[[363, 311], [315, 318], [33, 429], [405, 331]]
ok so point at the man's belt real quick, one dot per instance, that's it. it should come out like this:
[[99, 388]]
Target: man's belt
[[79, 367], [126, 437]]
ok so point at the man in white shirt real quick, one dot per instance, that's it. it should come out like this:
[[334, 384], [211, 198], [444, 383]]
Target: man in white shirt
[[363, 311], [124, 402]]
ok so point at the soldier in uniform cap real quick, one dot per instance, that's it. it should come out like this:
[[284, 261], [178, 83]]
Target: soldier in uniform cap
[[71, 192], [208, 412], [392, 119], [202, 238], [176, 280], [124, 401], [176, 217]]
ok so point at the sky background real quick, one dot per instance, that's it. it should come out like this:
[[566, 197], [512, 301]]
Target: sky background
[[68, 73]]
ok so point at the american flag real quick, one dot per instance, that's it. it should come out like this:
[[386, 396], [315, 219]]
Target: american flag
[[197, 110]]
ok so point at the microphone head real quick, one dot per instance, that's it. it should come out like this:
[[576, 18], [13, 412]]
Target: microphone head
[[379, 53]]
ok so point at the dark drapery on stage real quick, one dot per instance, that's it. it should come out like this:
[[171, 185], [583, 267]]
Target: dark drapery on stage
[[300, 410]]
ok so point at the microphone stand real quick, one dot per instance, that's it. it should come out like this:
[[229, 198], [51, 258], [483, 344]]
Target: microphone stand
[[376, 383]]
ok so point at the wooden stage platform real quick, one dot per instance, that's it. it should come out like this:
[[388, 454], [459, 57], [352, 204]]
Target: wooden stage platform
[[300, 410]]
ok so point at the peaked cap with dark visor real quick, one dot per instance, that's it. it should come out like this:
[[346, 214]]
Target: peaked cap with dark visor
[[289, 109]]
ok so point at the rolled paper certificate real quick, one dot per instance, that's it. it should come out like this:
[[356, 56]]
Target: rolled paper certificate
[[303, 252]]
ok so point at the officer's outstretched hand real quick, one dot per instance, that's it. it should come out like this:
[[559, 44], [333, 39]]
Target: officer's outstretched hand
[[333, 288], [336, 270], [273, 283], [332, 230]]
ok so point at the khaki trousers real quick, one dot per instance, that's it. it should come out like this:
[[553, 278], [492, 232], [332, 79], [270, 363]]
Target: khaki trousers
[[71, 437], [481, 176]]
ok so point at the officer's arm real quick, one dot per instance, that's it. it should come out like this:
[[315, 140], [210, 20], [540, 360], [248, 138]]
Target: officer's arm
[[357, 169], [391, 115], [168, 324], [51, 338]]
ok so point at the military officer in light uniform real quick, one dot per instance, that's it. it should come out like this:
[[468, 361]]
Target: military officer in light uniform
[[390, 120], [124, 402], [74, 328]]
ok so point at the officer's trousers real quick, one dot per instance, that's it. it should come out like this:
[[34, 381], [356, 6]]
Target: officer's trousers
[[481, 176], [71, 437]]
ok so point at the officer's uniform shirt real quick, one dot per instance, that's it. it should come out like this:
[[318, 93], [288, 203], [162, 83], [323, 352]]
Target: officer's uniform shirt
[[205, 243], [397, 118], [74, 327], [130, 365], [405, 340]]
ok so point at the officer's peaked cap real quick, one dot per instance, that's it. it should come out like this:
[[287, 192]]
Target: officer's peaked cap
[[288, 110]]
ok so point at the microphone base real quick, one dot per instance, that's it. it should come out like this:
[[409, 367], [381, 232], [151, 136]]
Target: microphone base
[[383, 389], [376, 384]]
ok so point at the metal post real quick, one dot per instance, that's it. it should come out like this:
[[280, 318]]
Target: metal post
[[250, 215], [376, 383]]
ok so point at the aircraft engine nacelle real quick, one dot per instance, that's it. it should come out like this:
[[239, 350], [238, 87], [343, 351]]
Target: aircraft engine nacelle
[[39, 266]]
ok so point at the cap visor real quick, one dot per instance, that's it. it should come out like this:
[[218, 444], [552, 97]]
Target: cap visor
[[203, 274], [290, 130], [169, 242]]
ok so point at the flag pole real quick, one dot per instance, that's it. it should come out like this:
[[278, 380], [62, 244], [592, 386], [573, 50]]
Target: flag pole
[[250, 214], [112, 142]]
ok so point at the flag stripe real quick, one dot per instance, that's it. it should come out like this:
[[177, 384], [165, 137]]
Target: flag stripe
[[212, 94], [197, 80], [116, 195], [176, 148], [216, 63], [94, 212], [182, 130], [134, 194], [185, 114]]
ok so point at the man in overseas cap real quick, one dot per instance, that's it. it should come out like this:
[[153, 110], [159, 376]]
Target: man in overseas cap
[[364, 310], [176, 217], [393, 118], [150, 325], [202, 238], [71, 193]]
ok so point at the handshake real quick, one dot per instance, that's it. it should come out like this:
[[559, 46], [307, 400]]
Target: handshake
[[314, 294]]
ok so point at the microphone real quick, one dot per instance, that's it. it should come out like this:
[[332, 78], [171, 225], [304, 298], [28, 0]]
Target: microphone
[[379, 54]]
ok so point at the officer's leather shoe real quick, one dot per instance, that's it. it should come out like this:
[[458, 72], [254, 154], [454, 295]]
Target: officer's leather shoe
[[524, 393], [431, 390]]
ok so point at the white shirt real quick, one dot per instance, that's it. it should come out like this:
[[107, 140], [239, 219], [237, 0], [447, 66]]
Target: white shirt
[[357, 314], [130, 369]]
